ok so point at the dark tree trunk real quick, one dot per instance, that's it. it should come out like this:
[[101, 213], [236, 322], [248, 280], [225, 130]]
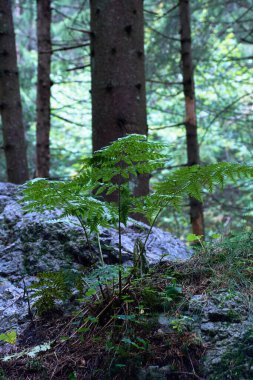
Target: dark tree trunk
[[10, 101], [118, 75], [43, 88], [196, 207]]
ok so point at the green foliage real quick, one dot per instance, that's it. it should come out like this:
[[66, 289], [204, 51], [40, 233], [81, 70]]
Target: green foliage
[[227, 263], [9, 337], [126, 158], [127, 353], [181, 324], [71, 198], [192, 181], [112, 169], [53, 287]]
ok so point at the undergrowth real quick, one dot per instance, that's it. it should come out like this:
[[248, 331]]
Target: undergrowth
[[226, 263], [112, 337]]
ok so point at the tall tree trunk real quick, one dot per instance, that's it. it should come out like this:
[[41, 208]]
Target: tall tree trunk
[[196, 207], [43, 88], [10, 101], [118, 75]]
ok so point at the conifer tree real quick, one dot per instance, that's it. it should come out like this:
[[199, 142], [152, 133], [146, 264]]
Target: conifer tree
[[196, 207], [43, 88], [10, 101], [118, 78]]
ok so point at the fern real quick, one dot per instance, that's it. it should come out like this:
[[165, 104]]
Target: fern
[[124, 159], [191, 181], [71, 198], [55, 286]]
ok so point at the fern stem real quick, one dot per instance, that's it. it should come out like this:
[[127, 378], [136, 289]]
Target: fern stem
[[82, 225], [100, 250], [85, 231], [150, 230]]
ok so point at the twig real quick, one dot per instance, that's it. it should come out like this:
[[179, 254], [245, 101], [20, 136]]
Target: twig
[[78, 67], [101, 288], [30, 314]]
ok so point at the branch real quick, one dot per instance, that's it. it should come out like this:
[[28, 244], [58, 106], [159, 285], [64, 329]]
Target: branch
[[164, 14], [240, 59], [162, 35], [81, 30], [64, 48], [220, 113], [67, 120], [162, 82], [78, 67], [166, 126]]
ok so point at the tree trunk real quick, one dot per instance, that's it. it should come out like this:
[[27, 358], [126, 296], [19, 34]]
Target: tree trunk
[[196, 207], [118, 75], [10, 101], [43, 88]]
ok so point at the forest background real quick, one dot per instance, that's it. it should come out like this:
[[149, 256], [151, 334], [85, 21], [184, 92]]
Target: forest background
[[222, 51]]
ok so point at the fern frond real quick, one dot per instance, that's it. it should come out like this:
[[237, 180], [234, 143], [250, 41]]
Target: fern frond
[[126, 157], [72, 198], [193, 180]]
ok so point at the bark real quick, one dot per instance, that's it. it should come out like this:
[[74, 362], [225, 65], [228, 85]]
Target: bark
[[43, 88], [118, 75], [10, 101], [196, 207]]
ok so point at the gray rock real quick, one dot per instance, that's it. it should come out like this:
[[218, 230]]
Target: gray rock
[[12, 213], [160, 246], [13, 307], [8, 189], [222, 320], [3, 202], [154, 373]]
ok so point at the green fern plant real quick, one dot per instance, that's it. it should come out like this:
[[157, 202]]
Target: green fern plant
[[125, 159], [55, 286]]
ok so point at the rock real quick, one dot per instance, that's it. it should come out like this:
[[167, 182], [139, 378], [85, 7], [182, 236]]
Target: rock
[[154, 373], [12, 213], [160, 246], [13, 307], [3, 202], [8, 189], [223, 321]]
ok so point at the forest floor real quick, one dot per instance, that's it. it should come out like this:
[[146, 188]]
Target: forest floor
[[147, 332]]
